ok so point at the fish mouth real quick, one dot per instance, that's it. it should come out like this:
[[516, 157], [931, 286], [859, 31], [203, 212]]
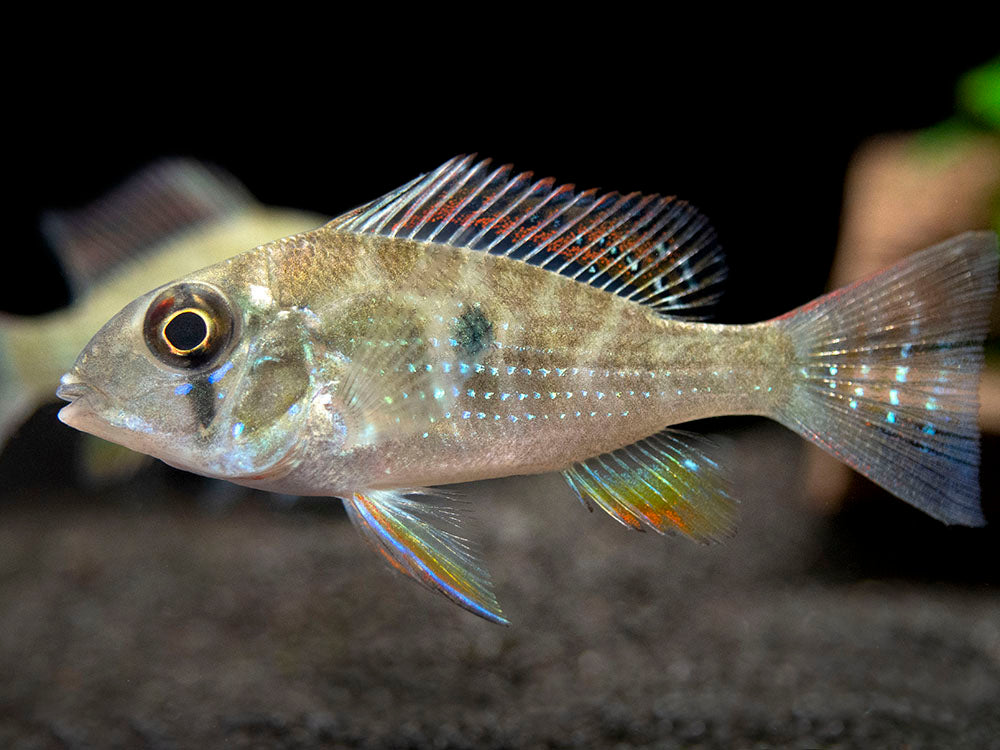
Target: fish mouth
[[85, 403], [70, 389], [74, 390]]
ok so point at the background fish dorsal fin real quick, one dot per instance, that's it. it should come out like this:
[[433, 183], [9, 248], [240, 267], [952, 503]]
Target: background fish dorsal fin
[[657, 251], [161, 201]]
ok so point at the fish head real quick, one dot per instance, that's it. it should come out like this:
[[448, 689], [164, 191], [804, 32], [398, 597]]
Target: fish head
[[205, 373]]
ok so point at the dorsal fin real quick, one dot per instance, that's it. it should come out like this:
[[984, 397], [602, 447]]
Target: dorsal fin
[[654, 250], [160, 201]]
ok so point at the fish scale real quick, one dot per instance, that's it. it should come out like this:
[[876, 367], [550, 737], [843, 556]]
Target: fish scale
[[475, 324]]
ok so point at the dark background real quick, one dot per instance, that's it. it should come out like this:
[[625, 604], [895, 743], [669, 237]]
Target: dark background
[[173, 612], [757, 135]]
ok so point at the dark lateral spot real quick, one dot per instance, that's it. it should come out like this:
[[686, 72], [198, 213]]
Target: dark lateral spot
[[473, 331]]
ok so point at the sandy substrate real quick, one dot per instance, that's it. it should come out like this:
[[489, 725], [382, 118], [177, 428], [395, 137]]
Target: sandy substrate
[[173, 614]]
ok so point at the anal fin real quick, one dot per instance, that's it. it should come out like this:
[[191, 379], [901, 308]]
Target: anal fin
[[666, 482], [403, 531]]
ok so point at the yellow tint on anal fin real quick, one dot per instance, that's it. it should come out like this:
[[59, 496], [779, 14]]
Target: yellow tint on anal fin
[[666, 482], [407, 533]]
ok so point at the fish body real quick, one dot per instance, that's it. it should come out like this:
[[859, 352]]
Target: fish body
[[472, 325]]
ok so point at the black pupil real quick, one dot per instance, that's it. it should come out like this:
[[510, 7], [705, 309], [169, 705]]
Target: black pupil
[[185, 331]]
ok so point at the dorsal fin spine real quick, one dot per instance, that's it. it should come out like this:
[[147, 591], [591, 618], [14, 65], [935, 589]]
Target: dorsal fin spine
[[657, 246], [513, 186], [693, 271], [462, 204], [371, 212], [426, 213], [557, 194], [499, 176], [619, 201], [584, 196], [624, 219], [613, 198], [536, 188], [689, 231], [640, 241], [427, 190], [650, 250]]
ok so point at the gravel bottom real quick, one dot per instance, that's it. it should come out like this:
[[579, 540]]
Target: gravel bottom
[[171, 613]]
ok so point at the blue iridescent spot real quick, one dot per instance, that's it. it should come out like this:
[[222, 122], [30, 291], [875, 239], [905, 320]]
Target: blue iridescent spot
[[690, 464], [929, 429], [183, 389], [894, 397], [238, 429], [216, 376], [891, 417]]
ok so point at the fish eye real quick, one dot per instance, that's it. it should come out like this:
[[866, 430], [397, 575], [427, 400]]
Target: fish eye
[[186, 331], [189, 326]]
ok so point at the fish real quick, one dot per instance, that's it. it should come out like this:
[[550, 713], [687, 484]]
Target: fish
[[478, 323], [171, 217]]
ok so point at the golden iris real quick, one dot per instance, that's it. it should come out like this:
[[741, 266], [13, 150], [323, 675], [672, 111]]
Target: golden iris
[[187, 331], [189, 326]]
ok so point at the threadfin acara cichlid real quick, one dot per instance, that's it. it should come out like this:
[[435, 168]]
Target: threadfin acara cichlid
[[475, 324]]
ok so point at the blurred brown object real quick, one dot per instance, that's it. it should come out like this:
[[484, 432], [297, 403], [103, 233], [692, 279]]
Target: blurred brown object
[[903, 193]]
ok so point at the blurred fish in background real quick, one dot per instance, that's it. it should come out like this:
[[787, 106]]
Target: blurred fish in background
[[170, 218], [907, 190]]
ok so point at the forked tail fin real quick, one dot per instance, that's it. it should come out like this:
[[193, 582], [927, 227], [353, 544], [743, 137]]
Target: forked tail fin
[[887, 374]]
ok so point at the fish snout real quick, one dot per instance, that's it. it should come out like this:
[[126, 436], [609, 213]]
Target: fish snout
[[71, 388]]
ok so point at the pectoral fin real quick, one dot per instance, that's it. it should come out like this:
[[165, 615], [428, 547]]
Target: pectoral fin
[[399, 380], [664, 482], [404, 532]]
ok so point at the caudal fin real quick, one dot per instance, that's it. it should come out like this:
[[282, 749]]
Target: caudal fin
[[887, 374]]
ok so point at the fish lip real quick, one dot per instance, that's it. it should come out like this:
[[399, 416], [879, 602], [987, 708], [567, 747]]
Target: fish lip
[[78, 413], [70, 388], [72, 391]]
